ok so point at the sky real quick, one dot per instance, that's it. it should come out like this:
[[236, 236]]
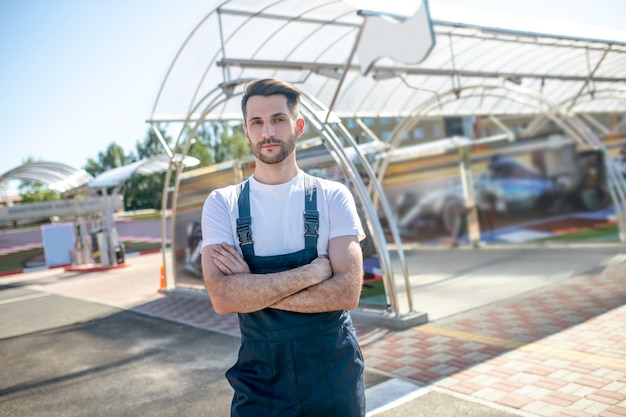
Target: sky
[[77, 75]]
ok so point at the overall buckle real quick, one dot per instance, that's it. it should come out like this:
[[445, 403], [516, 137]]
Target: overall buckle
[[311, 222]]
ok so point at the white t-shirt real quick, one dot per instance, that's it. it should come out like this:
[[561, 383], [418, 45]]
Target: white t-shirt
[[277, 216]]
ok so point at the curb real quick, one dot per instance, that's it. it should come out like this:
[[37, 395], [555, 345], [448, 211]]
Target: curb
[[71, 268]]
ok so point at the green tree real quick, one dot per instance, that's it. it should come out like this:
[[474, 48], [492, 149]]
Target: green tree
[[214, 142], [113, 157], [235, 142], [34, 192], [224, 141], [201, 152], [144, 191], [151, 145]]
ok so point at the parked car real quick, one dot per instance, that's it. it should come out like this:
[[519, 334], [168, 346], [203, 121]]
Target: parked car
[[508, 187]]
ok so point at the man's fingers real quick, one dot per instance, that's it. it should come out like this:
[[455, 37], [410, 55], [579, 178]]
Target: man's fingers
[[230, 249], [222, 256], [228, 256], [221, 266]]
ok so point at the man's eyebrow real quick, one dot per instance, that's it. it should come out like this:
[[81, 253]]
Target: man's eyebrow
[[273, 115]]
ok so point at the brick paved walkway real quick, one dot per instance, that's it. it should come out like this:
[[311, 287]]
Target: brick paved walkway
[[558, 351]]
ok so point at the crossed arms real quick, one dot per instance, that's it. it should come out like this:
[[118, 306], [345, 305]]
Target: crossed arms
[[326, 284]]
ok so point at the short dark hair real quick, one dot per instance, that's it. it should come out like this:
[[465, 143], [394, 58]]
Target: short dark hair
[[269, 87]]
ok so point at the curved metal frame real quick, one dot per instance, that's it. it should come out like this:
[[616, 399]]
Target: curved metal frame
[[334, 133], [565, 119], [311, 110]]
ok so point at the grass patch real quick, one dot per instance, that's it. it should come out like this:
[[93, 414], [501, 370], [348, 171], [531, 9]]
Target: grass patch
[[19, 260], [604, 233], [143, 215], [372, 289], [140, 246]]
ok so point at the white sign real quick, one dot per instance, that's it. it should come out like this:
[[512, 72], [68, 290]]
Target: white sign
[[409, 41], [58, 243]]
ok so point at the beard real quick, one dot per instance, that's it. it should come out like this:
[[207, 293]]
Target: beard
[[276, 156]]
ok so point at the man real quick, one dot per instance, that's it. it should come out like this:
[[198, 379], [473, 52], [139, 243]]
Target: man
[[282, 250]]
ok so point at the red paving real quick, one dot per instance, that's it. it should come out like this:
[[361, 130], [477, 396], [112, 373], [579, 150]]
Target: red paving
[[557, 351]]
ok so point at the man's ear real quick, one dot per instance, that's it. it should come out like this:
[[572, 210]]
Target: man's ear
[[299, 126], [245, 133]]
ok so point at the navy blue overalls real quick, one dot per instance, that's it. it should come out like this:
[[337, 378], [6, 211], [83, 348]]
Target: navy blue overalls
[[294, 364]]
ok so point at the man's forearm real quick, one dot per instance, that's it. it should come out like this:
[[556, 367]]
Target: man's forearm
[[247, 292], [337, 293], [341, 291], [244, 292]]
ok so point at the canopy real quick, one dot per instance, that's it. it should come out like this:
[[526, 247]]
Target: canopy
[[317, 45], [116, 177], [471, 70], [62, 178], [57, 176]]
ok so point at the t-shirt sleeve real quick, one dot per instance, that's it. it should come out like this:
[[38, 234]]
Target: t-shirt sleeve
[[216, 220], [344, 218]]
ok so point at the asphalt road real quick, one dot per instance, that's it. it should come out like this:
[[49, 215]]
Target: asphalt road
[[66, 357]]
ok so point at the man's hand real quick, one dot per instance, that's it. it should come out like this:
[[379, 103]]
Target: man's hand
[[228, 260], [322, 267]]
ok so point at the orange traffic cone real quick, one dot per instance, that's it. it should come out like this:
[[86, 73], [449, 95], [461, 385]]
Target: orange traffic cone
[[163, 284]]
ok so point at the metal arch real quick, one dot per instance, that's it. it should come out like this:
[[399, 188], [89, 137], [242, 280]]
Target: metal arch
[[581, 132], [374, 221], [568, 121], [168, 174], [410, 122], [373, 226], [216, 11], [440, 99], [427, 73], [344, 161], [593, 94], [593, 122], [177, 56], [437, 100], [621, 125]]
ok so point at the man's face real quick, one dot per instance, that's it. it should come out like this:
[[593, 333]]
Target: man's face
[[271, 129]]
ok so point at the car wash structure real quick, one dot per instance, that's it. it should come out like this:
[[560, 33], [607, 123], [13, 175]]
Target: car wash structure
[[81, 230], [354, 64]]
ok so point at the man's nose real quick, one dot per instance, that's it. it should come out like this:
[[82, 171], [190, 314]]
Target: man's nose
[[268, 130]]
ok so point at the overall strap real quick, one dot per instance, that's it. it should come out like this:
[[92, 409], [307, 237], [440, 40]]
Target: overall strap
[[244, 231], [311, 216]]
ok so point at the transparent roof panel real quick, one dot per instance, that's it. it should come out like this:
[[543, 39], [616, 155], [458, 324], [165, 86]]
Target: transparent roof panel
[[56, 176], [116, 177], [471, 69]]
